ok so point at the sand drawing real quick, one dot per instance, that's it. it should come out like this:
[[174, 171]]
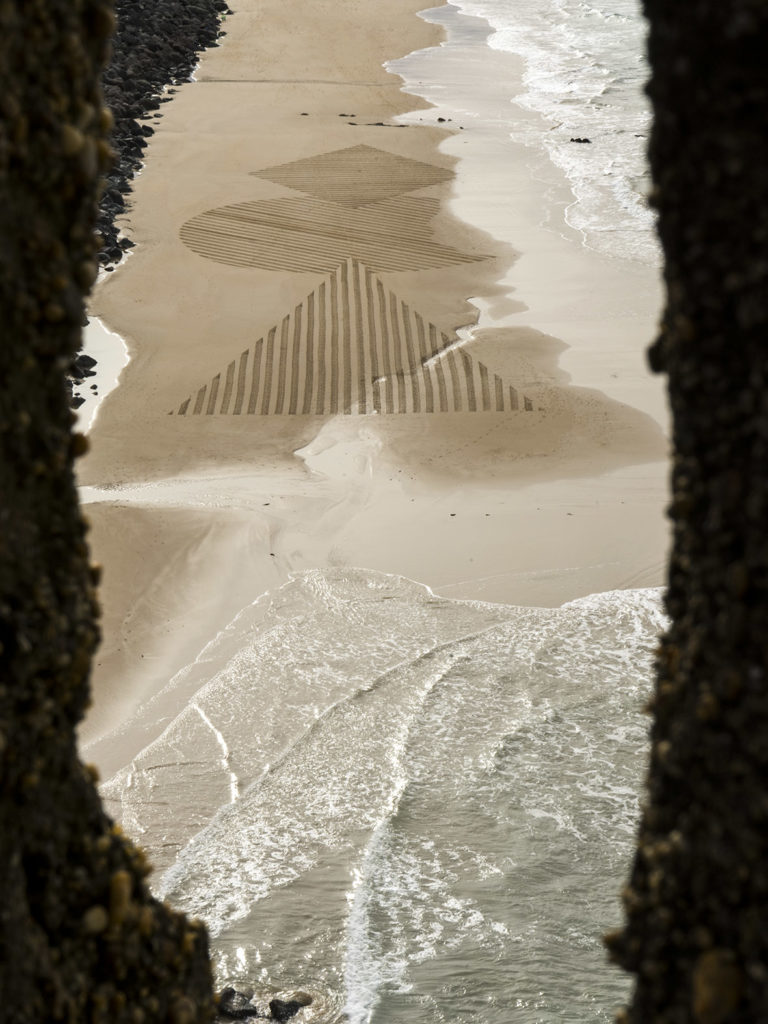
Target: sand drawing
[[308, 234], [355, 176], [352, 346]]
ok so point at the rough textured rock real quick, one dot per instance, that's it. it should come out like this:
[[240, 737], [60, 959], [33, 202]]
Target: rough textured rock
[[156, 44], [696, 933], [233, 1005], [284, 1009], [81, 939]]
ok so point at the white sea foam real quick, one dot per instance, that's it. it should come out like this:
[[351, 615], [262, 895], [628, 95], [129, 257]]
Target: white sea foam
[[585, 70], [584, 73], [437, 798], [111, 355], [234, 782]]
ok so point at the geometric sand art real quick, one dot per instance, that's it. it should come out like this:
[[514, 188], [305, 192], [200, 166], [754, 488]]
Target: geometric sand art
[[356, 175], [352, 347], [356, 206], [307, 234]]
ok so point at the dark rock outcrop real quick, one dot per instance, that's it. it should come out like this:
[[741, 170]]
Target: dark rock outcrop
[[284, 1009], [81, 938], [234, 1005], [697, 900]]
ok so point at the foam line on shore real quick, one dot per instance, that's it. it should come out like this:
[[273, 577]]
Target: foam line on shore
[[109, 350], [234, 785]]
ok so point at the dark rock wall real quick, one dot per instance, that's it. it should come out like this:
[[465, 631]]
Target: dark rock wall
[[81, 940], [156, 44], [696, 904]]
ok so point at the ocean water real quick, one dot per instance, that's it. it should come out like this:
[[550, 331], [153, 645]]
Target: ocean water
[[584, 69], [411, 807]]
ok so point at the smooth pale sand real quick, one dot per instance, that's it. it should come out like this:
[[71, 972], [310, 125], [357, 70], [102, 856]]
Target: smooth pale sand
[[196, 515]]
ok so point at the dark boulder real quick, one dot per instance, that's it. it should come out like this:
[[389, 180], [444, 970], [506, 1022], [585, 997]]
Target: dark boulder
[[284, 1009], [234, 1005]]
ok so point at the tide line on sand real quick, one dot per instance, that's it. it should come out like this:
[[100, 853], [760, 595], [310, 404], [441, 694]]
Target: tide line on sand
[[111, 354]]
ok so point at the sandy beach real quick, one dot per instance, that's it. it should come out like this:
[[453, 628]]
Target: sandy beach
[[297, 394]]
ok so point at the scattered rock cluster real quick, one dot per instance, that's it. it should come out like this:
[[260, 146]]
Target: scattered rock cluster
[[233, 1005], [82, 368], [156, 45]]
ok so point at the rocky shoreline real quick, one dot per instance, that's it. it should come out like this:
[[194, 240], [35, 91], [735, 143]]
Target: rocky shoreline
[[155, 47]]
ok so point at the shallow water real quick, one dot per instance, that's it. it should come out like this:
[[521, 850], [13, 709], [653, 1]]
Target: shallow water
[[406, 805], [584, 71], [111, 355]]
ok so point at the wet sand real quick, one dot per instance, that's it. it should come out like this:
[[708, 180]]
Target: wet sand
[[298, 395]]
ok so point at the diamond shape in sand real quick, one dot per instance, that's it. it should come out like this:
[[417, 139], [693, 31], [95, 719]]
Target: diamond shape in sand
[[355, 176]]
